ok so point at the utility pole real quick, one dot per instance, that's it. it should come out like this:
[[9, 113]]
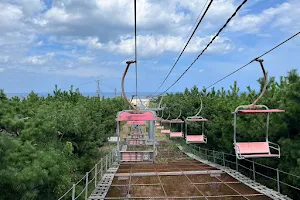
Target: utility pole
[[98, 91], [115, 92]]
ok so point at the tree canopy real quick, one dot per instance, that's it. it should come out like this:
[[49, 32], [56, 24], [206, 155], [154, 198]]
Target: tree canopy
[[47, 143]]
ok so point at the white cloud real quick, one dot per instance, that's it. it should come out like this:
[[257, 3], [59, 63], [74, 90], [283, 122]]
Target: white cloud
[[40, 43], [106, 29], [31, 7], [150, 45], [4, 59], [2, 69], [38, 60], [91, 42], [59, 15], [284, 15], [108, 19], [86, 72], [10, 15], [86, 59]]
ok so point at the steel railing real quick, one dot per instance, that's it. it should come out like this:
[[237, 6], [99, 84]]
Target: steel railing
[[82, 188], [249, 168]]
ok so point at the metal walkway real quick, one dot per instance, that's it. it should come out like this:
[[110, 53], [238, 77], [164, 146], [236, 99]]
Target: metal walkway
[[103, 187], [179, 173], [104, 184], [240, 177]]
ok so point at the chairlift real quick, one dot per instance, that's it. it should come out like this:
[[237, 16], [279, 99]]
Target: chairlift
[[165, 130], [256, 149], [134, 116], [158, 121], [177, 134], [196, 138], [138, 132]]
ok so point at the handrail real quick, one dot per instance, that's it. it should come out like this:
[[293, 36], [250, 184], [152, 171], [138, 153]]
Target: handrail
[[109, 159], [252, 169]]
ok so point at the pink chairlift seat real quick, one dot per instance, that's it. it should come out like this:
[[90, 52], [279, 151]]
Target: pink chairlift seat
[[159, 127], [176, 135], [254, 149], [176, 121], [135, 156], [197, 120], [128, 156], [196, 139], [136, 141], [165, 131]]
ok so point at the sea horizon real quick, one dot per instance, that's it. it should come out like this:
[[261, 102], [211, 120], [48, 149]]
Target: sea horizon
[[86, 94]]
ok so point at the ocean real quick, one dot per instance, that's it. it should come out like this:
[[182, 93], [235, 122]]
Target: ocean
[[91, 94]]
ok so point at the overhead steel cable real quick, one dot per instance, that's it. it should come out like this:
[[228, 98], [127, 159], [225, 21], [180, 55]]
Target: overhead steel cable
[[228, 20], [195, 29], [76, 86], [135, 52], [252, 60]]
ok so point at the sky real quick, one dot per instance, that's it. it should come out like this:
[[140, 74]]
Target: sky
[[73, 42]]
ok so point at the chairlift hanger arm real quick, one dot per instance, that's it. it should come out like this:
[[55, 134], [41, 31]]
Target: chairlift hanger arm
[[180, 111], [169, 114], [122, 85], [265, 81], [253, 105], [200, 106], [159, 105], [162, 114]]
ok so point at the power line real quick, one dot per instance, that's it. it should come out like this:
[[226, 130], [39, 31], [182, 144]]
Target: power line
[[79, 85], [135, 51], [183, 45], [228, 20], [195, 29], [252, 61]]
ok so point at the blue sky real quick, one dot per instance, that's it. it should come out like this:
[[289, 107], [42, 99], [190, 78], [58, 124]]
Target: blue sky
[[64, 42]]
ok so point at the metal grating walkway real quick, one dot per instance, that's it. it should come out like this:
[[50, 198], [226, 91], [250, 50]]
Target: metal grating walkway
[[133, 176], [240, 177], [104, 184]]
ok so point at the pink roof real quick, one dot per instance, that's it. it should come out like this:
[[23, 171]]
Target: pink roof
[[259, 111], [136, 122], [143, 116], [176, 121]]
